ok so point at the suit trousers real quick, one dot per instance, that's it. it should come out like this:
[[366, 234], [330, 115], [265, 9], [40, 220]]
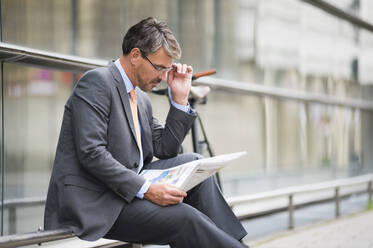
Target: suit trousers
[[203, 219]]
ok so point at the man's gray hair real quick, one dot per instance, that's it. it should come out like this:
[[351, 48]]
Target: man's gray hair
[[149, 35]]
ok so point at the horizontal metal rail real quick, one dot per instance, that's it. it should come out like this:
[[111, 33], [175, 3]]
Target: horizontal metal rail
[[283, 93], [291, 192], [300, 189], [17, 240], [337, 12], [32, 238], [279, 209], [38, 237], [30, 201], [23, 55]]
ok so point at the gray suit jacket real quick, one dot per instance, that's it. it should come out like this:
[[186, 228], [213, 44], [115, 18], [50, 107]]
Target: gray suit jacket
[[94, 173]]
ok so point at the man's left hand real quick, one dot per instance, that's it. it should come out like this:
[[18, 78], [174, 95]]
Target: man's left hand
[[180, 80]]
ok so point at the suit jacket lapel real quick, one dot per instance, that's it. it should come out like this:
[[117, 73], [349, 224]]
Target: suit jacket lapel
[[123, 96]]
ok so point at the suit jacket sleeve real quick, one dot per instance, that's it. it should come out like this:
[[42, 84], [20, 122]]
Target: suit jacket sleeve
[[90, 107], [167, 140]]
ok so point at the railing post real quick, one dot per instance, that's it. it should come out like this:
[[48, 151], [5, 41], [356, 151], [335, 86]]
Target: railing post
[[337, 202], [291, 212], [370, 203], [12, 219]]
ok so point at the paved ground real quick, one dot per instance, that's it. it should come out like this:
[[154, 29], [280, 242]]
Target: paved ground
[[353, 231]]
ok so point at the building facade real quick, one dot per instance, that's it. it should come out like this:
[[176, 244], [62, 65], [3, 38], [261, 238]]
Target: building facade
[[282, 44]]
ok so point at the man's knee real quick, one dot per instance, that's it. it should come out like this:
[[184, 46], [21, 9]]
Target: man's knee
[[188, 157], [187, 215]]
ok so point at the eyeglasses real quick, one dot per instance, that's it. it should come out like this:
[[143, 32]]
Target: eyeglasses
[[157, 68]]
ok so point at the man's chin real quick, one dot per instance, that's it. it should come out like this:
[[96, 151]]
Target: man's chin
[[149, 87], [146, 88]]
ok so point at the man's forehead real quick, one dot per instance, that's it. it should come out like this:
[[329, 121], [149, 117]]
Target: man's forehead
[[161, 58]]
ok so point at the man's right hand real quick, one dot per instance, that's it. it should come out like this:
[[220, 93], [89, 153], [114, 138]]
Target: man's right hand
[[164, 194]]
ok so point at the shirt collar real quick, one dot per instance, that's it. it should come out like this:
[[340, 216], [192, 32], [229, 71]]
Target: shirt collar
[[127, 81]]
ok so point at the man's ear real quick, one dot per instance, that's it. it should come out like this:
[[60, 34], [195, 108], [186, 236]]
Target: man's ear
[[135, 56]]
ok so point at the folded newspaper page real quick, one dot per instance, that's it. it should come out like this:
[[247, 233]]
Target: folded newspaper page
[[188, 175]]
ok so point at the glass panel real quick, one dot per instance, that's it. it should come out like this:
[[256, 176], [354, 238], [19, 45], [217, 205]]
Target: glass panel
[[41, 24], [100, 28], [242, 39], [34, 104], [288, 142]]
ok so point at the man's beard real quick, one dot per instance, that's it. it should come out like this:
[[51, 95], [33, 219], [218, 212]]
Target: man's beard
[[148, 86]]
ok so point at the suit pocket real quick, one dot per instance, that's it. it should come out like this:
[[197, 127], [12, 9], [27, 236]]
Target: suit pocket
[[82, 182]]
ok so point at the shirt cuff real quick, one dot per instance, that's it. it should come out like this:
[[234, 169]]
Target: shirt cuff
[[186, 108], [143, 189]]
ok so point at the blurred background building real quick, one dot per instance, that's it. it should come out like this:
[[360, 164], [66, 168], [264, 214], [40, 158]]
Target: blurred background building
[[285, 44]]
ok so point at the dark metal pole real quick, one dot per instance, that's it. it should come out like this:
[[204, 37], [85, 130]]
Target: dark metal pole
[[291, 212], [370, 193], [211, 152], [12, 218], [2, 149], [209, 148], [194, 129], [337, 202], [2, 128]]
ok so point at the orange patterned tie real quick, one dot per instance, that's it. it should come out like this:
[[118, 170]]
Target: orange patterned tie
[[135, 117]]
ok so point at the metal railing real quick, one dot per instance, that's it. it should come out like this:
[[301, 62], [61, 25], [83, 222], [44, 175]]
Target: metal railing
[[291, 192], [34, 238], [282, 93], [40, 237], [11, 53], [24, 55], [13, 204], [337, 12]]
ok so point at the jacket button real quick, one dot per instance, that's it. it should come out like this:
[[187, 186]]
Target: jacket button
[[135, 165]]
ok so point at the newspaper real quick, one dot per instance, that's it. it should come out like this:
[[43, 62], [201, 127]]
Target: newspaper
[[188, 175]]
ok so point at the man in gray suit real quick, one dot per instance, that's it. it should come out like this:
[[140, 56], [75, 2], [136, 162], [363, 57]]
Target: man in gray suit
[[109, 135]]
